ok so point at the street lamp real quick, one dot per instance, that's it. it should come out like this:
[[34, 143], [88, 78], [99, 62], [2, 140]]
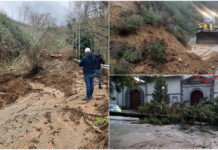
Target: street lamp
[[163, 92]]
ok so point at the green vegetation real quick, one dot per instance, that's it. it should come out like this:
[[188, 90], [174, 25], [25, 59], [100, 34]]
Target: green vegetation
[[205, 111], [100, 121], [126, 53], [88, 29], [129, 53], [154, 52], [118, 69], [56, 38], [150, 17], [180, 113], [160, 91], [119, 82], [155, 108], [179, 18], [128, 23], [13, 39]]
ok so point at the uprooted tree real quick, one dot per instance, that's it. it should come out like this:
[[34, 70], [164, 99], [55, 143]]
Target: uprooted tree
[[38, 25]]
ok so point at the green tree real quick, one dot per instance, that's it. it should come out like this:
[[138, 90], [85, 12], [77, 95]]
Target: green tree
[[147, 79], [86, 40], [160, 91], [119, 82]]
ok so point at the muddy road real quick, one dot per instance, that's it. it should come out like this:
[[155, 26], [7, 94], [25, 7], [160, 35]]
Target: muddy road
[[206, 52], [124, 134], [51, 114]]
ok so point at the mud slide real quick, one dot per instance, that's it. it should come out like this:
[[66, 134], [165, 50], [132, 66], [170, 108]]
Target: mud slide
[[207, 52], [45, 117]]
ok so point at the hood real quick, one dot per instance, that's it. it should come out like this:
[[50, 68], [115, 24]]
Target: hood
[[89, 55]]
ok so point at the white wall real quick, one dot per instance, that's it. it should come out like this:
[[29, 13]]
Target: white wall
[[216, 88]]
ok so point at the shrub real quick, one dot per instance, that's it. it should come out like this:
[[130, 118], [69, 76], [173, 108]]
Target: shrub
[[205, 111], [118, 69], [154, 52], [129, 53], [157, 51], [127, 25], [13, 39], [150, 17], [179, 106], [154, 108], [132, 56]]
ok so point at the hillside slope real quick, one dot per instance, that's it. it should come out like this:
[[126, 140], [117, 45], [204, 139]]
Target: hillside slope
[[154, 48], [13, 39]]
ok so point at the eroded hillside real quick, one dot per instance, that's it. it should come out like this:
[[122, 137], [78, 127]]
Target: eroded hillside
[[151, 48]]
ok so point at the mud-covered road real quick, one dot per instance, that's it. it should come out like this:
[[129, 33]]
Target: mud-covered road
[[205, 51], [123, 135], [45, 117]]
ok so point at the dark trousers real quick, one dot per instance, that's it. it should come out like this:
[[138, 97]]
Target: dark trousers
[[89, 80], [98, 72]]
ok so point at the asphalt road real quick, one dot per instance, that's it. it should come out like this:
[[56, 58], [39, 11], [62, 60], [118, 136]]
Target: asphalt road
[[124, 134]]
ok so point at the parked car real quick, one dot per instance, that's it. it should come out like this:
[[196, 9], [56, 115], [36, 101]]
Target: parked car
[[115, 108]]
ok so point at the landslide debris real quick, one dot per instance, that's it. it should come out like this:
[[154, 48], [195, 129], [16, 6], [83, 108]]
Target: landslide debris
[[150, 48]]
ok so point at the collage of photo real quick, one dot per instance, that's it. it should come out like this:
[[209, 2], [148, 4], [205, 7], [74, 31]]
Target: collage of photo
[[108, 74]]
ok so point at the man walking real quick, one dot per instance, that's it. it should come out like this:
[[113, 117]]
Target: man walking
[[99, 61], [88, 63]]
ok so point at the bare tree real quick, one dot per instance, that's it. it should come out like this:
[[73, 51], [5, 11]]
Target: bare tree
[[91, 21], [39, 25]]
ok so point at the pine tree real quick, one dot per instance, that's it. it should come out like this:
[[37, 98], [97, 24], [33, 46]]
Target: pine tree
[[160, 91]]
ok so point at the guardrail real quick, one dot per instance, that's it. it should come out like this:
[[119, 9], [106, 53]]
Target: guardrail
[[105, 66]]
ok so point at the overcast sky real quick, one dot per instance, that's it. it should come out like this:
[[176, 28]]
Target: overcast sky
[[56, 8]]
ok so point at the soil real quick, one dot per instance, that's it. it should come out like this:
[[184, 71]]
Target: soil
[[180, 59], [47, 110], [11, 90]]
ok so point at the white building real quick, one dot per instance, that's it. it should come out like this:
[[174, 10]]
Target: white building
[[180, 88]]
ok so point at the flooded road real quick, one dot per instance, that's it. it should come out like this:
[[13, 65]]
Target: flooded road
[[124, 134]]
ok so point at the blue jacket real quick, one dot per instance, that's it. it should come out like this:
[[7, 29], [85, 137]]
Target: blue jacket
[[88, 63], [99, 61]]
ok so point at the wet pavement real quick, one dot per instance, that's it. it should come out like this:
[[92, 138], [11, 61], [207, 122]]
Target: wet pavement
[[124, 134]]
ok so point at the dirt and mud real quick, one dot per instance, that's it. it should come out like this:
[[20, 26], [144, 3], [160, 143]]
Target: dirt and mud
[[124, 134], [207, 52], [46, 111], [180, 59]]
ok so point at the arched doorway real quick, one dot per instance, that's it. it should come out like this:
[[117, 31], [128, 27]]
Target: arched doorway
[[135, 99], [195, 97]]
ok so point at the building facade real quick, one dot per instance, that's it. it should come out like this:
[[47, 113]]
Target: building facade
[[180, 88]]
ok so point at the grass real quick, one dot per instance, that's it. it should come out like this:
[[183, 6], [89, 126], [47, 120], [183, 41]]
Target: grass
[[100, 122]]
